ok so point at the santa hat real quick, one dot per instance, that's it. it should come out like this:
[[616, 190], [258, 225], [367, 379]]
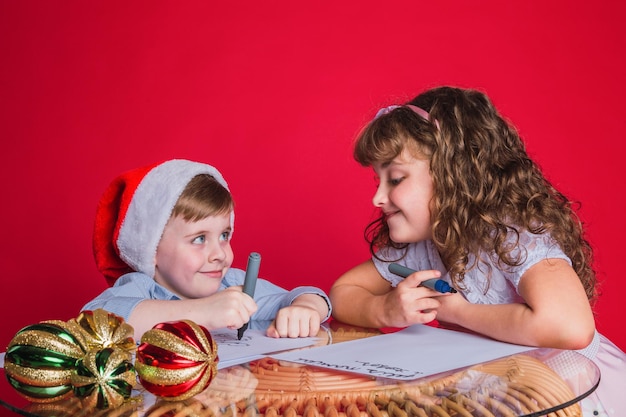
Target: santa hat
[[133, 212]]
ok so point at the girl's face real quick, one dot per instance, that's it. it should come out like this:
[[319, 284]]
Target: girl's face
[[404, 194], [193, 257]]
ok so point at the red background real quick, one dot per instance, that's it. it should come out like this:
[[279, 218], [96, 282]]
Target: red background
[[273, 93]]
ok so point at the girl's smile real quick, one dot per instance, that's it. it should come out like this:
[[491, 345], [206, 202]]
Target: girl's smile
[[404, 195]]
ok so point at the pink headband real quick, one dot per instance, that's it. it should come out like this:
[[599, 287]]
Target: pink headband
[[419, 111]]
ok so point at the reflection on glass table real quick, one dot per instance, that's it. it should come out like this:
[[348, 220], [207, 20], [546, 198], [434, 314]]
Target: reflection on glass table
[[534, 383]]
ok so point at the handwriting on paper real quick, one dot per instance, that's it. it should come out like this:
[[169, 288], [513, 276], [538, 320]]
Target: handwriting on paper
[[253, 345], [411, 353], [364, 367]]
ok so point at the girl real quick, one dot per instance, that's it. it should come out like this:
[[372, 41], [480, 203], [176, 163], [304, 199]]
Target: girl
[[162, 241], [460, 199]]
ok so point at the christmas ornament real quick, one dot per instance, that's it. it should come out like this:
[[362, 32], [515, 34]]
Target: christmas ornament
[[40, 359], [176, 360], [101, 329], [104, 378]]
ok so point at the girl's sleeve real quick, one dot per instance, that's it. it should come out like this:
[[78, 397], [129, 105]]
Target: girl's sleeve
[[533, 249], [270, 297], [418, 256]]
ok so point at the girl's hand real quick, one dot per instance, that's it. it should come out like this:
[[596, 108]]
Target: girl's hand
[[408, 303], [295, 321], [451, 306]]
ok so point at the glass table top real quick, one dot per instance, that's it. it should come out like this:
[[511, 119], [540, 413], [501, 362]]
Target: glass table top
[[533, 383]]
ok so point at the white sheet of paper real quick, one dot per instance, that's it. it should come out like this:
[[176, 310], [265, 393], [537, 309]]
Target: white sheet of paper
[[253, 345], [415, 352]]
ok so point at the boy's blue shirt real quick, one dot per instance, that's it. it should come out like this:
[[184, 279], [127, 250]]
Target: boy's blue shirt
[[130, 289]]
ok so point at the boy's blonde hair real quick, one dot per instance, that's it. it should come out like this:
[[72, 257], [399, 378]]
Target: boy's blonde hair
[[203, 196]]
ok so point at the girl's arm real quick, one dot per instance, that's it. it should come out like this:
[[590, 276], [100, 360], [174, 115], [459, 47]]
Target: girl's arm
[[556, 313], [364, 298]]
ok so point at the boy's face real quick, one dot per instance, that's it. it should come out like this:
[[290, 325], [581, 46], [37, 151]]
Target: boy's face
[[193, 257]]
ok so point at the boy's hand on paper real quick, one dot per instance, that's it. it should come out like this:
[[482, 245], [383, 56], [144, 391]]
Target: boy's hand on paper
[[295, 321], [408, 303]]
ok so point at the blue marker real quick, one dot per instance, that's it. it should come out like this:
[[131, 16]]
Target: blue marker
[[249, 283], [433, 283]]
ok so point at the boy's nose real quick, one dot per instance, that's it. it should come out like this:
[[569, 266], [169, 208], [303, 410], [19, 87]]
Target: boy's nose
[[216, 253]]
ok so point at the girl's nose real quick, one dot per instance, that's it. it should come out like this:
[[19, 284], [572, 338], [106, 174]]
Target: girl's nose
[[380, 196]]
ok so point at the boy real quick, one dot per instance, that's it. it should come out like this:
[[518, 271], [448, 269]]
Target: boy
[[162, 240]]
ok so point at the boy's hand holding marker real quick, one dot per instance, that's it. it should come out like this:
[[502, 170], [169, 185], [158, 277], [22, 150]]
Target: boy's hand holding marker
[[249, 285]]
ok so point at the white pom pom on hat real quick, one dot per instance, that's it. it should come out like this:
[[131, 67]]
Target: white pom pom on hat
[[133, 212]]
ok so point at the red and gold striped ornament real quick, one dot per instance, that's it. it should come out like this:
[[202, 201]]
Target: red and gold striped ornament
[[40, 359], [104, 378], [176, 360]]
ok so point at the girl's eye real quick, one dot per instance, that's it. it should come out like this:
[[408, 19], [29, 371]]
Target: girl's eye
[[199, 240], [395, 181]]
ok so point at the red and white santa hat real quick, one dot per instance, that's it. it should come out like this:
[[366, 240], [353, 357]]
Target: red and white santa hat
[[133, 212]]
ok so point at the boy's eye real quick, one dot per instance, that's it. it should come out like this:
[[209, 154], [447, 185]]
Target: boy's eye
[[199, 239], [225, 236]]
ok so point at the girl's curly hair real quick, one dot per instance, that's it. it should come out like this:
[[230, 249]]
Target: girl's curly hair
[[486, 187]]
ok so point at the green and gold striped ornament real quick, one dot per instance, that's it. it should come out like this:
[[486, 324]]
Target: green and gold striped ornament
[[104, 378], [40, 359]]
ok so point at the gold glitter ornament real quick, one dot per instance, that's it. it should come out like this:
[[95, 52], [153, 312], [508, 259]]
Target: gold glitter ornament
[[101, 329], [104, 378], [40, 360], [176, 360]]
